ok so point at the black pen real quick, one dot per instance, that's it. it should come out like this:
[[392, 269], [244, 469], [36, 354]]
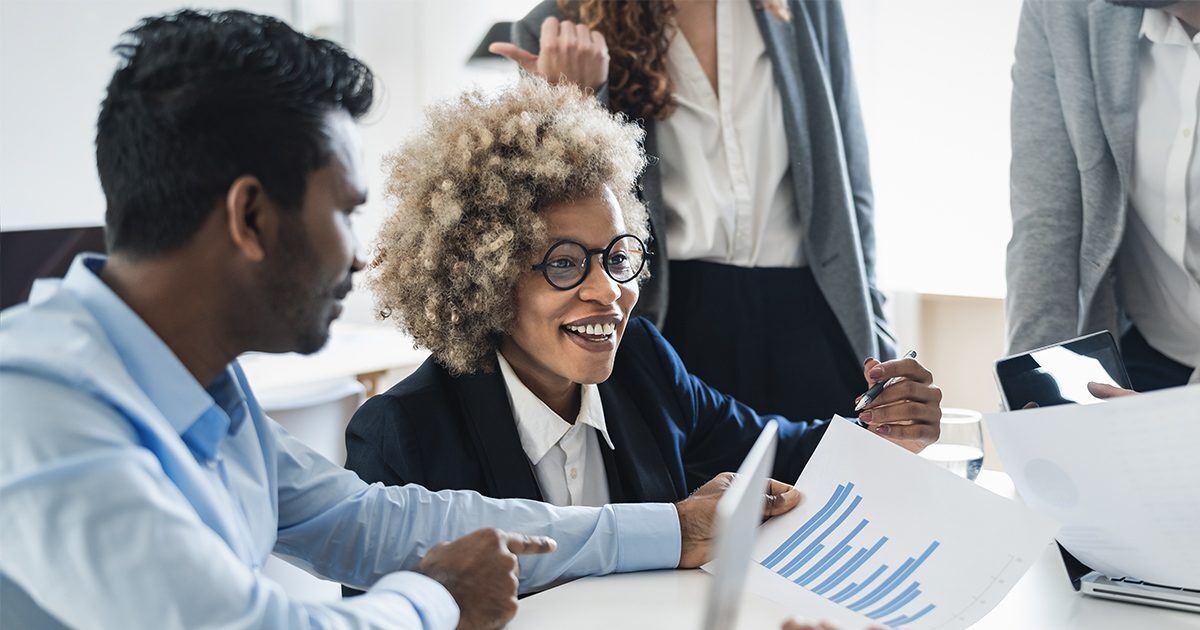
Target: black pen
[[877, 388]]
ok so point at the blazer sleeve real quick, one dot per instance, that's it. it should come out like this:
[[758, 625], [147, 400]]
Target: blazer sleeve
[[831, 25], [1047, 204], [374, 445], [720, 430]]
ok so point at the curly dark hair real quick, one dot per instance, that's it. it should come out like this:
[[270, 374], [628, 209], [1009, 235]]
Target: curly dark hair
[[639, 34], [467, 193], [204, 97]]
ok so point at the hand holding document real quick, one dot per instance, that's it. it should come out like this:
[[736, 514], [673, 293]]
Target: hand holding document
[[887, 538], [1122, 477]]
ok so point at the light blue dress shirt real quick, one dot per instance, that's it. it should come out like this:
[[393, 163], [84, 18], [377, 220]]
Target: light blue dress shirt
[[133, 497]]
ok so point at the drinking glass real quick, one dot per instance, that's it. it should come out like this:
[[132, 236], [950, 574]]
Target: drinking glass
[[960, 447]]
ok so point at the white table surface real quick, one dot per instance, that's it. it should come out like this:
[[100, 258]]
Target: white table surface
[[352, 350], [669, 600]]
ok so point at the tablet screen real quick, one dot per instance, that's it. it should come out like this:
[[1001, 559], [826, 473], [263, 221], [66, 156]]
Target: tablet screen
[[1059, 374]]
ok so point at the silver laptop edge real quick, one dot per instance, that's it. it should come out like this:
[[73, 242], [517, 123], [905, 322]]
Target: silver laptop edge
[[739, 514]]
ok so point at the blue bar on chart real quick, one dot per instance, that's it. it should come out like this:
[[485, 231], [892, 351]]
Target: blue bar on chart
[[814, 547], [892, 582], [799, 558], [832, 557], [817, 519], [902, 620], [854, 588], [858, 560], [907, 595]]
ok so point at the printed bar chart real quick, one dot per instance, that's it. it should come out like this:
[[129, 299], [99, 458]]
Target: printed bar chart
[[809, 559], [884, 538]]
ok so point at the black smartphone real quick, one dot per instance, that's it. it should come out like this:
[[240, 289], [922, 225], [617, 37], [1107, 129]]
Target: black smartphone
[[1058, 374]]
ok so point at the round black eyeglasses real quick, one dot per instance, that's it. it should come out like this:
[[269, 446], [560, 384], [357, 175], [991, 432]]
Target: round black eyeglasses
[[567, 263]]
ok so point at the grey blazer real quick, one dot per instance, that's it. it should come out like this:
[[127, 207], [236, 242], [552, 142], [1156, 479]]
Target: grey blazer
[[822, 118], [1074, 106]]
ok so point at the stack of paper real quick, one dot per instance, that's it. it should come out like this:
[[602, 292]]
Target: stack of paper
[[1122, 477]]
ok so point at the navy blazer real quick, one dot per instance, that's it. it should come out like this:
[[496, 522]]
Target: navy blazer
[[672, 432]]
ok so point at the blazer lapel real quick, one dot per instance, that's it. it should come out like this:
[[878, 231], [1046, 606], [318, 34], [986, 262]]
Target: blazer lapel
[[636, 471], [780, 40], [493, 430], [1113, 40]]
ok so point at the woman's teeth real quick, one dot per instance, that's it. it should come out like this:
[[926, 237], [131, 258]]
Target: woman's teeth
[[596, 330]]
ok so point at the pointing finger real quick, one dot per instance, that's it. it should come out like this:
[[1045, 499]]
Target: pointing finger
[[522, 544], [524, 58]]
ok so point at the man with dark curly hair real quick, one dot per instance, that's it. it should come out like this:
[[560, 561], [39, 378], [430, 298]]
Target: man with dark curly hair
[[143, 486]]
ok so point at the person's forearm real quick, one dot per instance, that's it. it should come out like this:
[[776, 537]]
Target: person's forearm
[[142, 559], [380, 529], [397, 525]]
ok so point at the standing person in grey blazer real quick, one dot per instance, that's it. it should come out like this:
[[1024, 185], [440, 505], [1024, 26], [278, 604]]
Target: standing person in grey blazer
[[1106, 181], [760, 197]]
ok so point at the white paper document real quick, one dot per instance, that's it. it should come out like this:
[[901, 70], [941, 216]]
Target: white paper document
[[1122, 477], [885, 538]]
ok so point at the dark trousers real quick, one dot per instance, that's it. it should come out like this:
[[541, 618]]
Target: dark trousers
[[1148, 368], [765, 336]]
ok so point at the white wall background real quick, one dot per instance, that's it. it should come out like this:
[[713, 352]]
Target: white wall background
[[55, 61], [934, 79], [933, 76]]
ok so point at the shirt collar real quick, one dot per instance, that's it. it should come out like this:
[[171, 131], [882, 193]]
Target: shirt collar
[[154, 367], [1161, 27], [538, 426]]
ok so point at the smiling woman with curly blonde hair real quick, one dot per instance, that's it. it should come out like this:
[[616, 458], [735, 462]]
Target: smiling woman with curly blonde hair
[[515, 254], [466, 194], [762, 187]]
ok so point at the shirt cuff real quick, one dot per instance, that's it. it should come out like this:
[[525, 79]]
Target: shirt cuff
[[648, 536], [433, 603]]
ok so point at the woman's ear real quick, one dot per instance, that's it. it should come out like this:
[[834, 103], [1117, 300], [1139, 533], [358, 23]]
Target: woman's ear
[[252, 218]]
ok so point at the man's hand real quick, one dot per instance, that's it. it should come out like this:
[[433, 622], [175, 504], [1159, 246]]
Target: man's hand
[[480, 571], [909, 412], [1104, 392], [697, 513], [568, 52]]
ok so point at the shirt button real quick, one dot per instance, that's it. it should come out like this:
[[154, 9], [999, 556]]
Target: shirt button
[[574, 472], [1187, 132]]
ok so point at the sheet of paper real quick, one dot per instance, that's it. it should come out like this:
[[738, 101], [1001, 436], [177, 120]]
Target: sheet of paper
[[885, 538], [1122, 477]]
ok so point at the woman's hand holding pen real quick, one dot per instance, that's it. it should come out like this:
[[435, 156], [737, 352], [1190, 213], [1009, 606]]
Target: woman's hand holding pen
[[907, 412]]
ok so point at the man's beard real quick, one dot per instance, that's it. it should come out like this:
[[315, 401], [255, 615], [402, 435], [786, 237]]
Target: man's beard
[[300, 307], [1143, 4]]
